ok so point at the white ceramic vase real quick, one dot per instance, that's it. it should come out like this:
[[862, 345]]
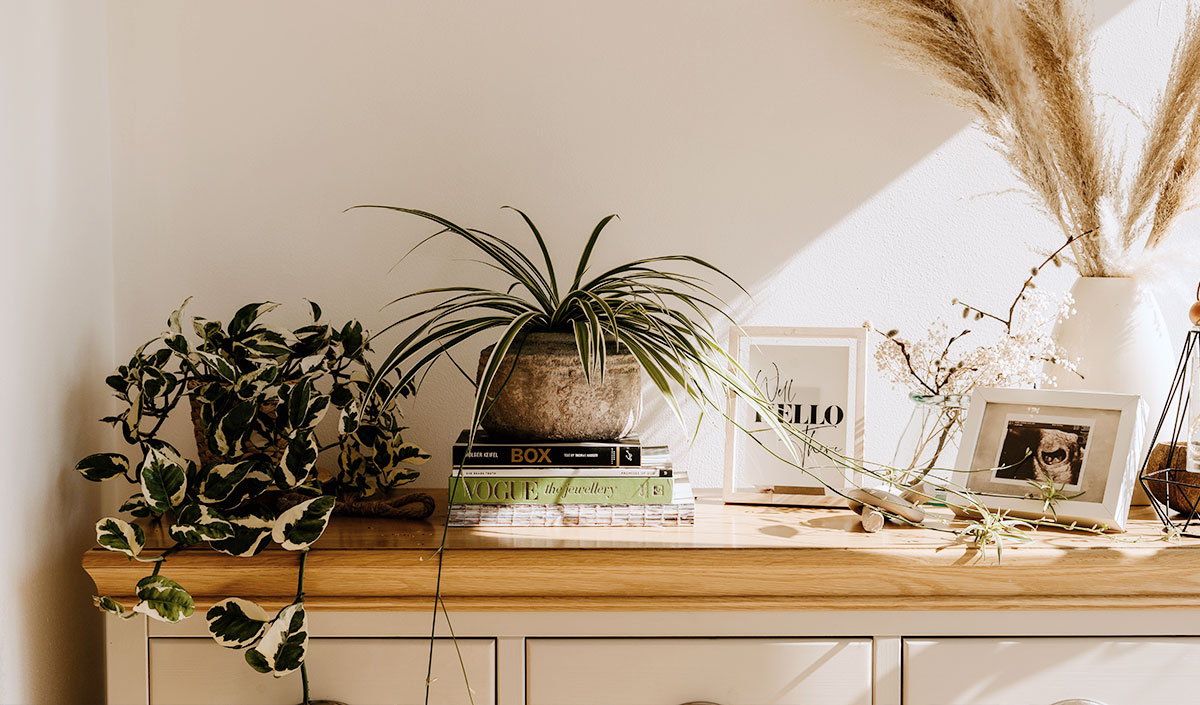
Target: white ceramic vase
[[1119, 337]]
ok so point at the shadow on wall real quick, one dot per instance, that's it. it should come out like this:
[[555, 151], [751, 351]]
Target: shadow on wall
[[739, 132], [63, 633]]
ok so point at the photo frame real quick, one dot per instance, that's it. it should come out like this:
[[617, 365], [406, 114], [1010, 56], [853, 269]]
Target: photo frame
[[817, 377], [1088, 444]]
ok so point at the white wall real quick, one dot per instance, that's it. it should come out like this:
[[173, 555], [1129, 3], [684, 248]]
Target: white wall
[[57, 316], [773, 138]]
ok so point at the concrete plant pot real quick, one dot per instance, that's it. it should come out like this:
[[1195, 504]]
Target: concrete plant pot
[[540, 393]]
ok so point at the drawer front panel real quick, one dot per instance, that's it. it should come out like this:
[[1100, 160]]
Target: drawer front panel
[[186, 671], [1042, 671], [674, 671]]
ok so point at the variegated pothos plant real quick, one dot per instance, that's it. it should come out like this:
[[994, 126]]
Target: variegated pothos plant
[[258, 393]]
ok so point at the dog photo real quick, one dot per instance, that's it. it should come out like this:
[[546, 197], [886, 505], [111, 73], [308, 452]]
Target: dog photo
[[1043, 450]]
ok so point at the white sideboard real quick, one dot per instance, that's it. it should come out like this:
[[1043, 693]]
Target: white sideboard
[[752, 606]]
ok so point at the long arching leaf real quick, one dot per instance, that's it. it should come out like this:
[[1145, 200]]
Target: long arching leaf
[[511, 333], [587, 250], [545, 252]]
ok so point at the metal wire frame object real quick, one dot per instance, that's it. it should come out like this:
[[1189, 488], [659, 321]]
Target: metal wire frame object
[[1172, 486]]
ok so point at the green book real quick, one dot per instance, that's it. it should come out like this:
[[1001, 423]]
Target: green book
[[561, 490]]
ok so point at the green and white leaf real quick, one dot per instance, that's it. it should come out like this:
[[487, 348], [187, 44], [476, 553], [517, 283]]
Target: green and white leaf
[[218, 365], [136, 506], [236, 623], [271, 343], [350, 459], [103, 466], [409, 453], [352, 338], [164, 479], [230, 483], [341, 396], [232, 428], [251, 532], [297, 400], [173, 321], [256, 382], [284, 644], [247, 315], [298, 461], [348, 420], [111, 606], [163, 599], [316, 411], [120, 536], [197, 523], [299, 527]]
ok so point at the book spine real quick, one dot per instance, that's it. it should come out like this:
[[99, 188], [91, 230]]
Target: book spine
[[568, 490], [689, 520], [572, 515], [534, 455], [567, 472]]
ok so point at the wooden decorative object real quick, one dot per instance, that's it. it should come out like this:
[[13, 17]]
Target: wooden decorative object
[[1185, 486], [872, 520], [864, 500]]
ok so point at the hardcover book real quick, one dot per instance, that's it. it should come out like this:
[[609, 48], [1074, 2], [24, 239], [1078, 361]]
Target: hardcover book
[[561, 490], [642, 471], [486, 453], [681, 512]]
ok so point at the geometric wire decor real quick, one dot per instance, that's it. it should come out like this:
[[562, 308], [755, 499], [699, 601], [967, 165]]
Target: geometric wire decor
[[1170, 478]]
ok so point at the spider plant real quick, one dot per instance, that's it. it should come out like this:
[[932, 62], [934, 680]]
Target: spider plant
[[661, 315]]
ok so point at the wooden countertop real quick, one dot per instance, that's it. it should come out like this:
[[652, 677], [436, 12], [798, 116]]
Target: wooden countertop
[[735, 557]]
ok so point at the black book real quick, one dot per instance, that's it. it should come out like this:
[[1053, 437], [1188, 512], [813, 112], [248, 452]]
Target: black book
[[625, 452]]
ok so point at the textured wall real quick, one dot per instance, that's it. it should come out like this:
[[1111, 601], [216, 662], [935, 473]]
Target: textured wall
[[55, 225], [773, 138]]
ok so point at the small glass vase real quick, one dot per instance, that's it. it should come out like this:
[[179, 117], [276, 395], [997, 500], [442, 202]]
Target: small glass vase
[[931, 439]]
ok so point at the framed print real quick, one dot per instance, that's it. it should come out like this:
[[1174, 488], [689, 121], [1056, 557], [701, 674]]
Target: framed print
[[815, 377], [1088, 444]]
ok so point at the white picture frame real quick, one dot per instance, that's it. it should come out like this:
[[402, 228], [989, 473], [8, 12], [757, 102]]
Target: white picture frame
[[819, 375], [1090, 442]]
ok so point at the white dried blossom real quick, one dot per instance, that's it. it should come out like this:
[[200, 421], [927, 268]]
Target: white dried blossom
[[957, 360]]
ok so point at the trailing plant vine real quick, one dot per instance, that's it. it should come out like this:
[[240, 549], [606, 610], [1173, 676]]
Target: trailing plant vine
[[257, 396]]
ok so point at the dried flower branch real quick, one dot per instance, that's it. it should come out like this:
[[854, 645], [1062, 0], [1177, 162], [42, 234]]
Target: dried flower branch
[[1014, 358]]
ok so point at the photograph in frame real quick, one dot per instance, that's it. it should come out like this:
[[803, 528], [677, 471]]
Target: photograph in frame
[[1087, 444]]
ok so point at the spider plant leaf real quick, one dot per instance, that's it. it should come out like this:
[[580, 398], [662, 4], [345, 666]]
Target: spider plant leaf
[[632, 266], [509, 258], [656, 374], [511, 333], [441, 340], [545, 252], [594, 340], [587, 249], [584, 346]]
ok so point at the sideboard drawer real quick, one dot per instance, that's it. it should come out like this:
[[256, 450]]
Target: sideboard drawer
[[673, 671], [1041, 671], [189, 671]]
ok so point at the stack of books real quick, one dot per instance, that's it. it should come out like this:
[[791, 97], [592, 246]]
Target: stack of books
[[613, 483]]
